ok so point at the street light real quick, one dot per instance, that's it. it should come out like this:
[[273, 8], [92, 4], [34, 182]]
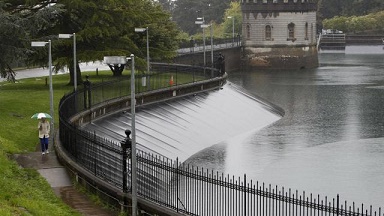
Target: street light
[[233, 29], [66, 36], [211, 33], [200, 21], [133, 147], [143, 30], [42, 44]]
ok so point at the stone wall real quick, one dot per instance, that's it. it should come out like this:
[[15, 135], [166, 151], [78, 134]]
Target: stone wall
[[256, 25], [232, 58], [281, 58]]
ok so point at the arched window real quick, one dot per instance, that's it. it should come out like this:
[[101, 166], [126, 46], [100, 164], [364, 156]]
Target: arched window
[[268, 32], [312, 33], [291, 31], [248, 31], [306, 31]]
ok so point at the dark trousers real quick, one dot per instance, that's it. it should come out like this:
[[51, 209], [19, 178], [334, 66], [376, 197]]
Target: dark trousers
[[44, 144]]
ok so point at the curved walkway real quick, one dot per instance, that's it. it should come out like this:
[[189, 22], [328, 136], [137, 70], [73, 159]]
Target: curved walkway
[[56, 175]]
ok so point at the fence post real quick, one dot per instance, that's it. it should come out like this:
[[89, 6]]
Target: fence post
[[245, 194], [337, 204], [177, 183], [125, 145]]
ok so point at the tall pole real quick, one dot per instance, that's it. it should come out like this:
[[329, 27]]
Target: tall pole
[[74, 57], [233, 31], [147, 51], [211, 49], [204, 46], [149, 83], [50, 86], [74, 62], [133, 153]]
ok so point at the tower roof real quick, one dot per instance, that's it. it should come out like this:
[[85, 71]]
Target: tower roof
[[267, 6]]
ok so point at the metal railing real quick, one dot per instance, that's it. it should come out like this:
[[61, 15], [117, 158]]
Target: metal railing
[[184, 188], [195, 46], [162, 75]]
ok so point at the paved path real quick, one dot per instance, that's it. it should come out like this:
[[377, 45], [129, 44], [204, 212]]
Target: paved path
[[50, 168], [39, 72]]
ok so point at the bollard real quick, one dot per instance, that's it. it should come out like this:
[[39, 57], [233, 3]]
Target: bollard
[[125, 145], [171, 81]]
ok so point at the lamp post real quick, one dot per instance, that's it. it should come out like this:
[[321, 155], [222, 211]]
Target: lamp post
[[233, 29], [42, 44], [66, 36], [143, 30], [211, 34], [200, 21], [133, 128]]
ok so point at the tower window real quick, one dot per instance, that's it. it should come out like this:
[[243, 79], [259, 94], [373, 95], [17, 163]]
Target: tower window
[[291, 32], [306, 31], [311, 32], [248, 29], [268, 32]]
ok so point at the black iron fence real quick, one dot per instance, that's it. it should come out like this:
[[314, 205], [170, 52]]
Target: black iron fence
[[184, 188], [162, 75]]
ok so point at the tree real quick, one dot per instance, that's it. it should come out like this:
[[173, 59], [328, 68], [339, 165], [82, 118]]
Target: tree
[[233, 11], [102, 28], [11, 39], [357, 24], [17, 23], [106, 28], [186, 12]]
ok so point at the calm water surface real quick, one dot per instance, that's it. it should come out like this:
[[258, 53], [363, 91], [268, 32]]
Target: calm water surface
[[330, 140]]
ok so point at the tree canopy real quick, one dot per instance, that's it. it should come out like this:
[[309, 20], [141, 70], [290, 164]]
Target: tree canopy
[[185, 13], [102, 27], [331, 8], [371, 23], [18, 24]]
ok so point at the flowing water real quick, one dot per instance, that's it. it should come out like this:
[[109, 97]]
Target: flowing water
[[329, 141]]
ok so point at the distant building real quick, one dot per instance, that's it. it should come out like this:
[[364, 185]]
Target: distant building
[[279, 34]]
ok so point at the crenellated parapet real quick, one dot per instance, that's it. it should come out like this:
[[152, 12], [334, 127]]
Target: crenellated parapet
[[278, 6]]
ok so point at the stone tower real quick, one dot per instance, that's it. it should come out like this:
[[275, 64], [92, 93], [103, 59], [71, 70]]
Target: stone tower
[[279, 34]]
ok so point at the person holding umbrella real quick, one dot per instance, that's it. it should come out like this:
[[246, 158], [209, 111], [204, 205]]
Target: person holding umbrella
[[44, 129]]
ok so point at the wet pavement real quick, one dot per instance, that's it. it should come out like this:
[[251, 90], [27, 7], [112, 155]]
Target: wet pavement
[[49, 166], [40, 72], [56, 175]]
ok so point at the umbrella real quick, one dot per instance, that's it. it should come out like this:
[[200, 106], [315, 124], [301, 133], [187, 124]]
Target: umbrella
[[41, 115]]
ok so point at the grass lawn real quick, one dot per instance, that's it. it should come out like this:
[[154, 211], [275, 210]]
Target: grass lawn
[[24, 191]]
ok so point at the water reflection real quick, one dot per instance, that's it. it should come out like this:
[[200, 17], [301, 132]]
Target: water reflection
[[331, 138]]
